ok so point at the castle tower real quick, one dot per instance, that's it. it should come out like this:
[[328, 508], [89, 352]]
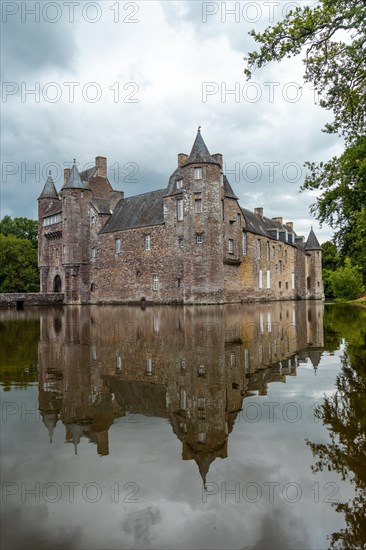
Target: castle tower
[[49, 231], [76, 197], [193, 213], [314, 282]]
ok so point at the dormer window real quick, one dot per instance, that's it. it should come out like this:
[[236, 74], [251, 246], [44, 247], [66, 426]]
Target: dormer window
[[198, 173], [179, 183]]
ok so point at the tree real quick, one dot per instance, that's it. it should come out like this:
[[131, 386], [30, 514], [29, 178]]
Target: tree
[[344, 415], [335, 67], [24, 228], [330, 256], [18, 267], [346, 282], [332, 37]]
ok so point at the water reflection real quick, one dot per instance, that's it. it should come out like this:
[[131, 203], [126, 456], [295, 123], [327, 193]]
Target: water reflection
[[344, 415], [192, 366]]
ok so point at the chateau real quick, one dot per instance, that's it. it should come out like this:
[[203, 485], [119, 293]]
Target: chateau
[[189, 243]]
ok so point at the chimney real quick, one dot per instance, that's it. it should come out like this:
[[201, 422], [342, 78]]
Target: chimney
[[290, 224], [182, 158], [218, 158], [66, 175], [279, 220], [101, 164], [259, 211]]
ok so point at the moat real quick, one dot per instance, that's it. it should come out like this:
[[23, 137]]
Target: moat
[[235, 426]]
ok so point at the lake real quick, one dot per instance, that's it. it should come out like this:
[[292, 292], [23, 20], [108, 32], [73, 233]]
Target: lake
[[233, 426]]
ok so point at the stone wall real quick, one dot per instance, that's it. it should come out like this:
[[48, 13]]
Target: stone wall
[[30, 299]]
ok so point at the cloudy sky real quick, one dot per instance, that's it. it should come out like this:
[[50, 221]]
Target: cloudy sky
[[132, 81]]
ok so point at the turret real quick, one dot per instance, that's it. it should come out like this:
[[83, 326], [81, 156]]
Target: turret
[[49, 217], [193, 213], [314, 282], [76, 197]]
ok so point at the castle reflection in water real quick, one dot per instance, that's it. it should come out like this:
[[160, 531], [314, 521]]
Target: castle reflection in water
[[191, 365]]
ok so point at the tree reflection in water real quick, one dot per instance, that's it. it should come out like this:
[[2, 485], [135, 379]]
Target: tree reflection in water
[[344, 415]]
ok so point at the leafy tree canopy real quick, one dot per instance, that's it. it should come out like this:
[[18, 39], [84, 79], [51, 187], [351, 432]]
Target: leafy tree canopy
[[18, 266], [23, 228], [331, 36]]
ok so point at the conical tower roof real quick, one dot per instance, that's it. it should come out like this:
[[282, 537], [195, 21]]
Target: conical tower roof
[[312, 243], [199, 152], [49, 190], [74, 181]]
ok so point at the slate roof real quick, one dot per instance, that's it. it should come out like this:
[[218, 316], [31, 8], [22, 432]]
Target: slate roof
[[75, 181], [86, 175], [49, 190], [57, 209], [102, 206], [255, 223], [229, 193], [139, 211], [199, 152], [312, 243]]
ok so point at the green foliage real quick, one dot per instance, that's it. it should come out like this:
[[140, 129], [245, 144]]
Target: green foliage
[[346, 282], [335, 67], [22, 228], [342, 199], [330, 255], [332, 36], [18, 266]]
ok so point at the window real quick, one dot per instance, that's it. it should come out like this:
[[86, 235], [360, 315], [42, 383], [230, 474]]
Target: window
[[180, 209], [180, 242], [149, 366], [202, 371], [279, 284], [93, 253], [179, 183], [198, 203], [183, 399], [274, 252], [155, 282], [285, 255], [286, 285], [259, 252], [244, 244], [201, 437], [260, 278], [201, 403], [199, 238], [51, 220], [280, 264], [268, 251], [198, 173], [147, 242], [232, 359], [179, 282], [231, 246], [292, 280], [118, 362], [268, 279], [117, 246]]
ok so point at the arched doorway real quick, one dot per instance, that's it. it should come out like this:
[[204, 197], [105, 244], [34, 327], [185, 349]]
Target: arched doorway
[[57, 284]]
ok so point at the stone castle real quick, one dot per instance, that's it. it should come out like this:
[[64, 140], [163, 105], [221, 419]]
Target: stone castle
[[189, 243]]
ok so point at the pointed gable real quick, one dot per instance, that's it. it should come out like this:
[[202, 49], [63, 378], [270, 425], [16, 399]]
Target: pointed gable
[[49, 190], [312, 243], [75, 181], [199, 152]]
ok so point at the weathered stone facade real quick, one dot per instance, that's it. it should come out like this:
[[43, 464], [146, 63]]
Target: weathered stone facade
[[189, 243]]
